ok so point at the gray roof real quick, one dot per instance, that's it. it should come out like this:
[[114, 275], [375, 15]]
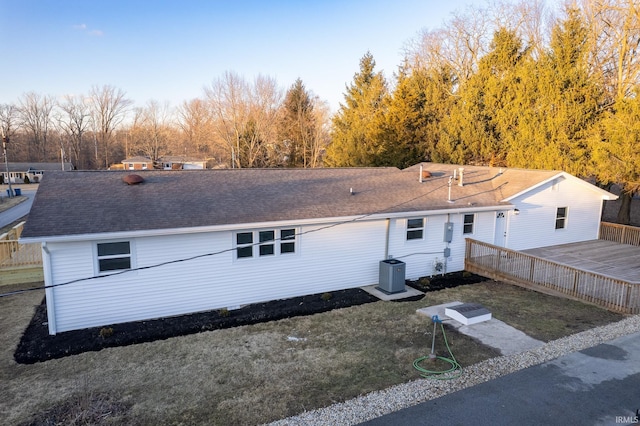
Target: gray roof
[[137, 159], [24, 167], [93, 202]]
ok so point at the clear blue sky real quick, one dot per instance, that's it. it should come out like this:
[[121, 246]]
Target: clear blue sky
[[170, 50]]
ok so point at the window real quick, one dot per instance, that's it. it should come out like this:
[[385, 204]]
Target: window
[[114, 256], [467, 227], [561, 217], [270, 242], [415, 229], [244, 243], [287, 241], [130, 166], [267, 243], [144, 166]]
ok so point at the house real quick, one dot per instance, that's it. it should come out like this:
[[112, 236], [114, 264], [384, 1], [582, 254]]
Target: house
[[186, 241], [169, 162], [137, 163], [177, 162], [33, 171]]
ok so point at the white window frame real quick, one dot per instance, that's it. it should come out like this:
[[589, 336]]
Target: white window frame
[[97, 257], [465, 223], [412, 229], [563, 219], [263, 245]]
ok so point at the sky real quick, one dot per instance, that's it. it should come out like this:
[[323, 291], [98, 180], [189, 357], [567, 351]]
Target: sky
[[169, 51]]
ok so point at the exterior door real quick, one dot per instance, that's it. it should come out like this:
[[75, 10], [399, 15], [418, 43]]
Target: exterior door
[[500, 238]]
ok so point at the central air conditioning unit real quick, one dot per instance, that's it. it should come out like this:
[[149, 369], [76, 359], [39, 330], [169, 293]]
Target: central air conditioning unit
[[391, 279], [438, 267]]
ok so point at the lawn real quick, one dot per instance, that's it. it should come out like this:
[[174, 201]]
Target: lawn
[[262, 372]]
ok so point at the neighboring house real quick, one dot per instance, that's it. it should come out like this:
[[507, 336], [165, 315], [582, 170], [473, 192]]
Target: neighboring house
[[34, 171], [177, 162], [183, 242], [137, 163]]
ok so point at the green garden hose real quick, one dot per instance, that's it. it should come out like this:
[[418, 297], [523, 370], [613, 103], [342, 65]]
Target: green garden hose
[[455, 370]]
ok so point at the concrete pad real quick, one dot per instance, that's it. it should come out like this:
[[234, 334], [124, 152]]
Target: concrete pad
[[410, 292], [494, 333]]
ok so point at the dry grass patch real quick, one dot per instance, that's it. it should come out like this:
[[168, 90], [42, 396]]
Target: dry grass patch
[[263, 372]]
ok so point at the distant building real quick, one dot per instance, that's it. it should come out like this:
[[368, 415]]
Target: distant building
[[138, 163], [168, 162], [178, 162], [34, 171]]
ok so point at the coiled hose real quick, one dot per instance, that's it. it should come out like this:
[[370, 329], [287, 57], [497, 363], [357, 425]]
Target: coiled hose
[[452, 373]]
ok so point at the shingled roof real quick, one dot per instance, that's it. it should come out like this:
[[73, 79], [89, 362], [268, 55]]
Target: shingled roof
[[96, 202]]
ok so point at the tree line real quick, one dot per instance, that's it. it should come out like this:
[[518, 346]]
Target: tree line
[[511, 86], [507, 84], [236, 123]]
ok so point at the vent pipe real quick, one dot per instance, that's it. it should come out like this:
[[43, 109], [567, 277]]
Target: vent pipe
[[420, 178], [461, 180], [455, 174]]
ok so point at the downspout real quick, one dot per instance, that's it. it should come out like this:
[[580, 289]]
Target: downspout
[[386, 242], [447, 243], [48, 282]]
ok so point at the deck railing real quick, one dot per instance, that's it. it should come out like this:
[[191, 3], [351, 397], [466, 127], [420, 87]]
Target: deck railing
[[622, 234], [533, 272], [15, 254]]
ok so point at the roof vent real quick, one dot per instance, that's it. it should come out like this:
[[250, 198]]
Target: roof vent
[[132, 179]]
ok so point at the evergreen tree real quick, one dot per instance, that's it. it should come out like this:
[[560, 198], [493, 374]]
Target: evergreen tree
[[357, 128], [616, 152], [475, 130], [297, 125], [563, 105], [417, 106]]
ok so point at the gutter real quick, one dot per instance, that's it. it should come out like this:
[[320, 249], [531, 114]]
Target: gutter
[[259, 225]]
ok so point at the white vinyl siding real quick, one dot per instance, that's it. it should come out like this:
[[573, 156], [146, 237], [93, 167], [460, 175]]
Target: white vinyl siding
[[535, 225], [321, 262]]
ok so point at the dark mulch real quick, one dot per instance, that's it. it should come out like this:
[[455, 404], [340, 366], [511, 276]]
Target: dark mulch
[[440, 282], [36, 345]]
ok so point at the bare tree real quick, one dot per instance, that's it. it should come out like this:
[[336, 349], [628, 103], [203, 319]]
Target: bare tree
[[457, 46], [9, 119], [150, 130], [109, 108], [615, 33], [226, 97], [321, 135], [74, 120], [244, 117], [195, 122], [35, 116]]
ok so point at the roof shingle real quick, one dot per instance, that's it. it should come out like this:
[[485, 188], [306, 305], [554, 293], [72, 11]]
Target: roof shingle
[[94, 202]]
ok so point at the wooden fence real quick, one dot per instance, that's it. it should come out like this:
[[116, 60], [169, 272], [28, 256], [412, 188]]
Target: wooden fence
[[622, 234], [540, 274], [19, 263]]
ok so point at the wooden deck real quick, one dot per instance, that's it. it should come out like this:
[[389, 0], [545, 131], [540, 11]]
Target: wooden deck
[[620, 261], [602, 272]]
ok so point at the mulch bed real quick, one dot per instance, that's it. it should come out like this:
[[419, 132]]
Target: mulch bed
[[36, 345]]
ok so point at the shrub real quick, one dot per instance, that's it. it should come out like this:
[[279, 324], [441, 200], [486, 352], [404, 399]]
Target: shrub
[[26, 179], [326, 296], [106, 332], [224, 312], [466, 274]]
